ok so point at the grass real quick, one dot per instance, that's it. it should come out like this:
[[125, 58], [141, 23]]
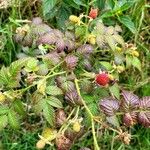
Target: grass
[[19, 140], [23, 140]]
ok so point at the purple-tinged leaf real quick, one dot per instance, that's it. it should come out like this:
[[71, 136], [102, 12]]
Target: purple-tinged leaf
[[71, 62], [145, 102], [130, 101], [85, 49], [73, 98], [109, 106], [60, 45], [69, 45], [129, 119], [144, 115], [60, 117], [48, 38], [52, 58], [144, 118]]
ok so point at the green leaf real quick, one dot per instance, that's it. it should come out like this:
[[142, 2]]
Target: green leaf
[[100, 4], [48, 113], [119, 39], [122, 6], [9, 75], [110, 30], [128, 61], [111, 41], [41, 86], [111, 3], [80, 31], [63, 13], [79, 2], [32, 65], [39, 106], [100, 93], [114, 89], [126, 5], [87, 119], [136, 63], [107, 65], [6, 79], [53, 90], [16, 66], [13, 119], [18, 107], [88, 98], [100, 28], [72, 4], [126, 21], [92, 105], [93, 108], [100, 39], [51, 14], [48, 5], [3, 110], [118, 58], [55, 102], [4, 76], [113, 120], [3, 122], [107, 14]]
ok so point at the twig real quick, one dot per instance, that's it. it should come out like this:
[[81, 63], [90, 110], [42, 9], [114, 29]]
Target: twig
[[96, 147]]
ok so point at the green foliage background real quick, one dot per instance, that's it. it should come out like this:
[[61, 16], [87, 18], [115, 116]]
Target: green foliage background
[[132, 15]]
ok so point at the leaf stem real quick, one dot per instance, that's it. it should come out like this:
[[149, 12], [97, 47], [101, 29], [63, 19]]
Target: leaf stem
[[46, 77], [96, 147], [55, 67], [63, 127], [55, 74]]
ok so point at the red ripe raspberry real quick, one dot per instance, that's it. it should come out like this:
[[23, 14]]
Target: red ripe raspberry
[[93, 13], [102, 79]]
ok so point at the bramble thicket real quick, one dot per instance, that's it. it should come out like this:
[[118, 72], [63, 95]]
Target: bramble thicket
[[74, 75]]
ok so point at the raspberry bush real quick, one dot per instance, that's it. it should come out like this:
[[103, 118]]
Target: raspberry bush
[[71, 83]]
